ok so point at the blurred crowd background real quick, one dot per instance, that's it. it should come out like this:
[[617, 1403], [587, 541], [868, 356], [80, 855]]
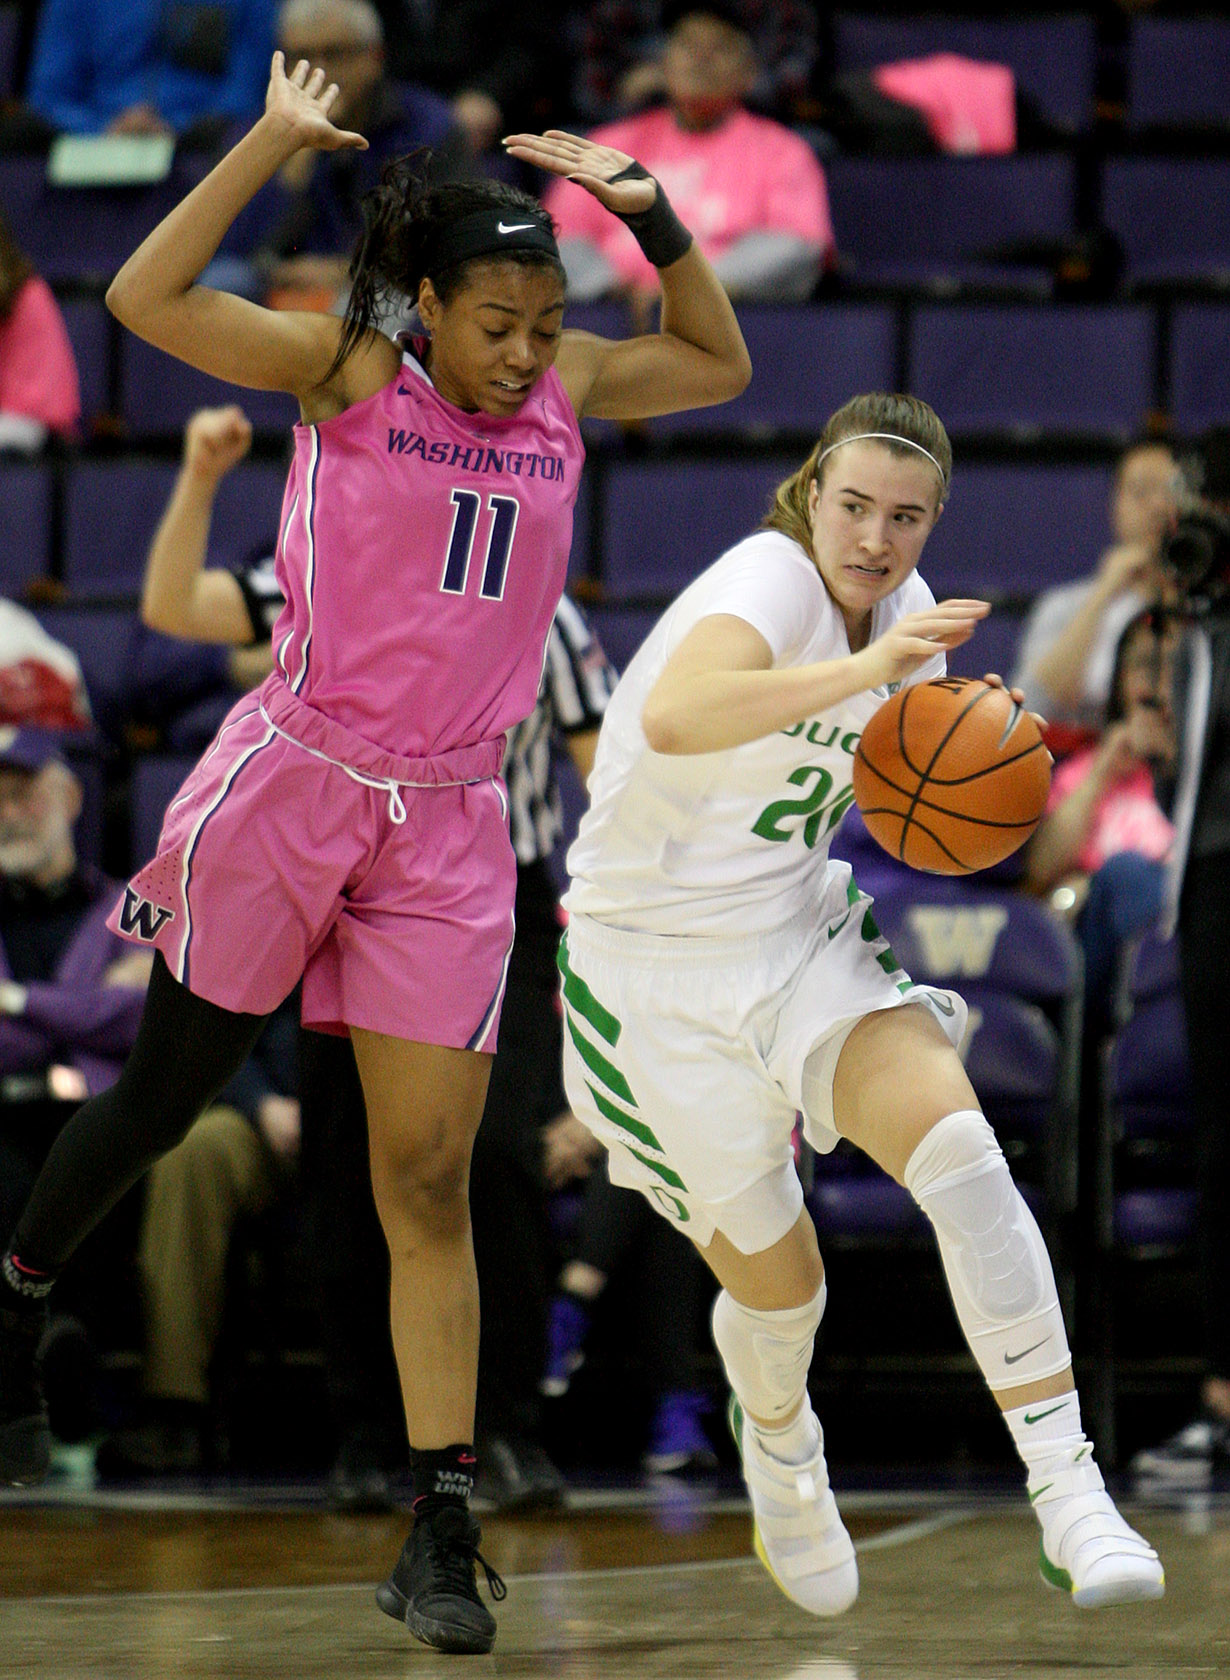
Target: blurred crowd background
[[1025, 219]]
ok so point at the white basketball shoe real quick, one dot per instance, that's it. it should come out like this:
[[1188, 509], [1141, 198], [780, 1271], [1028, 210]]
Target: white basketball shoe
[[1087, 1548], [797, 1530]]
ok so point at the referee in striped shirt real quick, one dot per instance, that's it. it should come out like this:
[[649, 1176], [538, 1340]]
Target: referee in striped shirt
[[526, 1133]]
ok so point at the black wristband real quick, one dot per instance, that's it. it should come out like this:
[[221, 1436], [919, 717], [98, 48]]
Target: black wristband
[[658, 231]]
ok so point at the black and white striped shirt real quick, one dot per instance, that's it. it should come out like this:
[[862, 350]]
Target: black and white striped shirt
[[577, 681]]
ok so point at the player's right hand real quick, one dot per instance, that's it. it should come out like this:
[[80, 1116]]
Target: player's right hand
[[907, 645], [215, 440], [301, 101]]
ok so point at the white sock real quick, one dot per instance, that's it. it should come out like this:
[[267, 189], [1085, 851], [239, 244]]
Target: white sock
[[1048, 1436], [794, 1444]]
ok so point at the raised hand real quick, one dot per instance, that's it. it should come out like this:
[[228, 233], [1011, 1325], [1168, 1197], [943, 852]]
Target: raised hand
[[589, 165], [301, 102], [215, 440]]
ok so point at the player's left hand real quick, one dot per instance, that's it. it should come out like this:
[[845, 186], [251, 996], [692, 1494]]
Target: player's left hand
[[589, 165]]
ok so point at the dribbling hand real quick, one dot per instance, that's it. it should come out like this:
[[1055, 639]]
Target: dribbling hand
[[301, 102], [908, 644], [588, 165]]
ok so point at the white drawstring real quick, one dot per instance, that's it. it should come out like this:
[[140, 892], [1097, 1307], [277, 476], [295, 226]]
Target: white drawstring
[[387, 784]]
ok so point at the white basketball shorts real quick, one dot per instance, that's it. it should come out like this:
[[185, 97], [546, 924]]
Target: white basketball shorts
[[684, 1056]]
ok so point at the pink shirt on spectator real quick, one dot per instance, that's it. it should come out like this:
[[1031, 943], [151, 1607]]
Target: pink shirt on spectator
[[1127, 818], [748, 175], [969, 106], [38, 372]]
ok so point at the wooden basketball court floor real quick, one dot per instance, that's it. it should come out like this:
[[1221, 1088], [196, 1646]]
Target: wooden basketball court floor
[[639, 1586]]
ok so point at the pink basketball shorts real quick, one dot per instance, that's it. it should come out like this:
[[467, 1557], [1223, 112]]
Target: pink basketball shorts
[[274, 863]]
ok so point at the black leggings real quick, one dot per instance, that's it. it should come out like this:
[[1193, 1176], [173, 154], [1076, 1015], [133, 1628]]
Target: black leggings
[[185, 1052]]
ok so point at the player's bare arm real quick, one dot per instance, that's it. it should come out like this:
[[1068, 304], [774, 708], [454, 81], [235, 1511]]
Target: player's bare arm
[[156, 295], [697, 358], [179, 596], [720, 689]]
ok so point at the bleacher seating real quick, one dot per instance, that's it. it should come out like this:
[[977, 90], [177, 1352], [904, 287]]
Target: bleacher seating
[[159, 394], [946, 222], [1199, 366], [1023, 370], [90, 333], [1178, 73], [1172, 216], [805, 363], [25, 523], [1053, 58]]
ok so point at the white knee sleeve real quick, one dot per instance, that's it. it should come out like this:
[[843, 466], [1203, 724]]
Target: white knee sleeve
[[998, 1270], [767, 1355]]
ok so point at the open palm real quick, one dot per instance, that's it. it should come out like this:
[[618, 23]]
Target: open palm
[[302, 101], [591, 166]]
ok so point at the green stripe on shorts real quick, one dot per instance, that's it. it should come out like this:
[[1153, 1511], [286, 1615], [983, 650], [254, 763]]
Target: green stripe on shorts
[[636, 1128], [583, 1000], [597, 1063]]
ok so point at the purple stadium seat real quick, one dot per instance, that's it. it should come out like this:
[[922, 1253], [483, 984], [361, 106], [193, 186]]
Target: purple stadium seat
[[113, 507], [10, 25], [1053, 58], [991, 648], [1178, 72], [89, 328], [111, 511], [85, 232], [247, 512], [158, 394], [1013, 530], [806, 361], [953, 932], [25, 528], [1021, 370], [621, 630], [155, 782], [1172, 216], [1199, 366], [666, 523], [948, 221]]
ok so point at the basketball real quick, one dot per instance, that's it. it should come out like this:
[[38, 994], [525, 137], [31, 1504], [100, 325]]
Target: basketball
[[951, 776]]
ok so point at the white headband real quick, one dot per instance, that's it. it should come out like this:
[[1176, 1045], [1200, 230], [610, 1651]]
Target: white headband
[[890, 437]]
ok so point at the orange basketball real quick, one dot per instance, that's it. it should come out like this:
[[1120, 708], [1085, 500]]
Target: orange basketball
[[951, 776]]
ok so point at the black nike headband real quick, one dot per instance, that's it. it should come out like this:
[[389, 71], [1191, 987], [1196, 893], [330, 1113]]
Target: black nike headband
[[489, 233]]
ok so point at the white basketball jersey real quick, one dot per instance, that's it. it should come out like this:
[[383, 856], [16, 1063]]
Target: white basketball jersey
[[736, 841]]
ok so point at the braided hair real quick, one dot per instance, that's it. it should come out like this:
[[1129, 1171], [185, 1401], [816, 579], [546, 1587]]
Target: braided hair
[[403, 217]]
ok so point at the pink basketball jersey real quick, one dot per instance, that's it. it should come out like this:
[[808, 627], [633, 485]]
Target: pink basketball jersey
[[422, 552]]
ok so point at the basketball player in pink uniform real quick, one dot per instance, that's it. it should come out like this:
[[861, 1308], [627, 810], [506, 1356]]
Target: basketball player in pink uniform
[[348, 823]]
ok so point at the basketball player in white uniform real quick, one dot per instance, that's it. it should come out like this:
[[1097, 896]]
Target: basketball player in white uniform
[[721, 973]]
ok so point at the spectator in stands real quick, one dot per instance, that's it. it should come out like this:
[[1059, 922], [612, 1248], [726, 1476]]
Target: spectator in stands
[[136, 67], [292, 242], [39, 394], [1068, 646], [41, 683], [233, 1163], [618, 1233], [71, 995], [501, 68], [618, 64], [1104, 836], [753, 192]]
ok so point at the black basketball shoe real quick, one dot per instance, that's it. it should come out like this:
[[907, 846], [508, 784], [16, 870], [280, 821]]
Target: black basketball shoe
[[25, 1438], [433, 1587]]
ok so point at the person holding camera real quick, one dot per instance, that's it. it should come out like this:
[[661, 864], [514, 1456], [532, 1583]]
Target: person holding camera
[[1197, 555], [1067, 652]]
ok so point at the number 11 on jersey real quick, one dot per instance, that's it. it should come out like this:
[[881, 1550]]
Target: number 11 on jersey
[[504, 511]]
